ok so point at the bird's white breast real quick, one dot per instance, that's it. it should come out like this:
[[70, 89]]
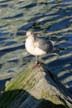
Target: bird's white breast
[[29, 44]]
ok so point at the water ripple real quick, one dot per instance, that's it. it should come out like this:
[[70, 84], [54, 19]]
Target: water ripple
[[54, 21]]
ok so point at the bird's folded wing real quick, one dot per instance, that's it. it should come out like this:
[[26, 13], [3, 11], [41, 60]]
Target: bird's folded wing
[[43, 45]]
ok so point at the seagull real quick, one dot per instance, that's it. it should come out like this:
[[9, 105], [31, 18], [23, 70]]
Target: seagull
[[37, 46]]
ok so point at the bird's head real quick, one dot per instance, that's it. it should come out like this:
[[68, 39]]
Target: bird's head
[[29, 34]]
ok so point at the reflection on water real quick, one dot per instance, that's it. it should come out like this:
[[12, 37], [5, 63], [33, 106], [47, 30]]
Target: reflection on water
[[53, 19]]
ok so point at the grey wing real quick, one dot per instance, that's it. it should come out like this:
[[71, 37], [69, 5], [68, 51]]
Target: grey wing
[[45, 45]]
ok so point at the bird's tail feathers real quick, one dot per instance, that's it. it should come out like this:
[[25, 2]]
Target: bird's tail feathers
[[53, 43]]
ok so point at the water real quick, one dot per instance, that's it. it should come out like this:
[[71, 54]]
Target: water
[[53, 19]]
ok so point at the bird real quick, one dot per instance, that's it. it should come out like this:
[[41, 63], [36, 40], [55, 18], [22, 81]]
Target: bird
[[37, 46]]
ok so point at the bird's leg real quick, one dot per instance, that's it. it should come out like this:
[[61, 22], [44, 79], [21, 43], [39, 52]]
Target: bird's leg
[[37, 62]]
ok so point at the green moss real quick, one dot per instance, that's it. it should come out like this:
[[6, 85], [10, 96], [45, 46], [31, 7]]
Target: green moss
[[19, 81], [23, 86]]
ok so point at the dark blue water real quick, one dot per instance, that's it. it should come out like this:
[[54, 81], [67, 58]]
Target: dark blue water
[[2, 83], [54, 21]]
